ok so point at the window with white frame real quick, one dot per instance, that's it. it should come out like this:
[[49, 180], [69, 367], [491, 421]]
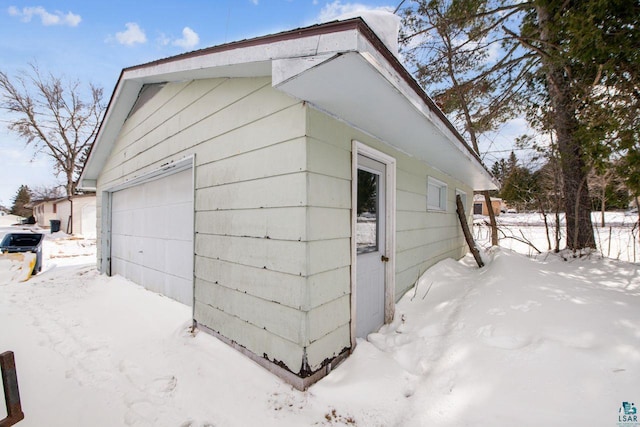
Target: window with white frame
[[436, 195], [463, 198]]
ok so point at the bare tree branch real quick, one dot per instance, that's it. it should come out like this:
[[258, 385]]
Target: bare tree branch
[[55, 116]]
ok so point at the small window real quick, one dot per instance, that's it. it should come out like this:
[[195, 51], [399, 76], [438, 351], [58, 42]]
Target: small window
[[367, 233], [463, 197], [436, 195], [55, 208]]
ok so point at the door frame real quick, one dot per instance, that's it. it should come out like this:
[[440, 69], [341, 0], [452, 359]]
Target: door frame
[[390, 230]]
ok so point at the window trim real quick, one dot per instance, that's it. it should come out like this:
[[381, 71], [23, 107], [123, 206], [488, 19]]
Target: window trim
[[443, 189], [464, 198]]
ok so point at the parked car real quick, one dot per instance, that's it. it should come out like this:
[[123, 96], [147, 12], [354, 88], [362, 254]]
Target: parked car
[[24, 242]]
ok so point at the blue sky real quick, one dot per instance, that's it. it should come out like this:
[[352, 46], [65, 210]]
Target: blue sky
[[93, 40]]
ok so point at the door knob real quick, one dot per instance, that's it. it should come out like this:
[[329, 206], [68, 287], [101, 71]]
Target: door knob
[[384, 258]]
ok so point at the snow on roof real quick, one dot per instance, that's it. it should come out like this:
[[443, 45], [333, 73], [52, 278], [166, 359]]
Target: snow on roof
[[385, 24]]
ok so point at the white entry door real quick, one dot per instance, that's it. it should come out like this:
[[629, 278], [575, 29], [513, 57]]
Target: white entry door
[[370, 245], [152, 235]]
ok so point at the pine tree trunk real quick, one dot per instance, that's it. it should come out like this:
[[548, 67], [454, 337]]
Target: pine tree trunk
[[576, 193]]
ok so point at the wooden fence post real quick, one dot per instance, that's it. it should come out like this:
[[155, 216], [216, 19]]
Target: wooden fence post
[[11, 393]]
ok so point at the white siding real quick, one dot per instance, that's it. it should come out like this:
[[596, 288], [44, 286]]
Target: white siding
[[422, 237], [273, 212], [251, 207]]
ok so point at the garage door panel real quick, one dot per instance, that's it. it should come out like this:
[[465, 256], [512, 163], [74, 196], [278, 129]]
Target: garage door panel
[[118, 264], [179, 289], [177, 187], [152, 235], [119, 220], [181, 230], [178, 256], [154, 280], [156, 222]]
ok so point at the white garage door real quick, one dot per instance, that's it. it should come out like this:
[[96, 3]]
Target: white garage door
[[152, 235]]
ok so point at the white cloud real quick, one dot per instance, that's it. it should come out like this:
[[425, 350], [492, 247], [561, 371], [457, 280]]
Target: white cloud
[[333, 10], [132, 35], [163, 40], [189, 39], [47, 18]]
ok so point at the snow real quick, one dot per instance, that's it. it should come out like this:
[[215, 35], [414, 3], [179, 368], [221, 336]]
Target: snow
[[384, 23], [523, 341], [618, 239]]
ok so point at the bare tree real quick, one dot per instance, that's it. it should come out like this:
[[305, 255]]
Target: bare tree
[[54, 116], [47, 193]]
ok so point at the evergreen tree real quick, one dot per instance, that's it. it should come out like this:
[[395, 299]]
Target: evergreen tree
[[23, 196], [573, 66]]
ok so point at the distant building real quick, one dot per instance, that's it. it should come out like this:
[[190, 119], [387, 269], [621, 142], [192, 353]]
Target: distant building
[[480, 205], [77, 214]]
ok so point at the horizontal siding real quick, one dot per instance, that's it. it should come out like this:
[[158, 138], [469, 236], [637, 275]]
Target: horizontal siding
[[255, 339], [329, 317], [270, 192], [276, 255], [277, 223], [280, 320], [422, 237], [329, 346], [273, 211], [251, 203], [272, 223], [328, 159], [327, 255], [286, 289], [328, 223], [157, 111], [222, 133], [328, 286], [250, 166], [328, 191], [290, 257]]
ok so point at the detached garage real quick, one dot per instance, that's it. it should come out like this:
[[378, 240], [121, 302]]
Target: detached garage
[[289, 188]]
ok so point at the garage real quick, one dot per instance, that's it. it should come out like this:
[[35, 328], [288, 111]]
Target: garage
[[152, 234]]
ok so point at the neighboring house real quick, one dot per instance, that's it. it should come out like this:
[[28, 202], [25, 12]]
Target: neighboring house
[[77, 214], [44, 211], [480, 205], [228, 179]]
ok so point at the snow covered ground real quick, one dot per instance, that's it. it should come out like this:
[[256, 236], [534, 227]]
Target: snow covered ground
[[618, 239], [524, 341]]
